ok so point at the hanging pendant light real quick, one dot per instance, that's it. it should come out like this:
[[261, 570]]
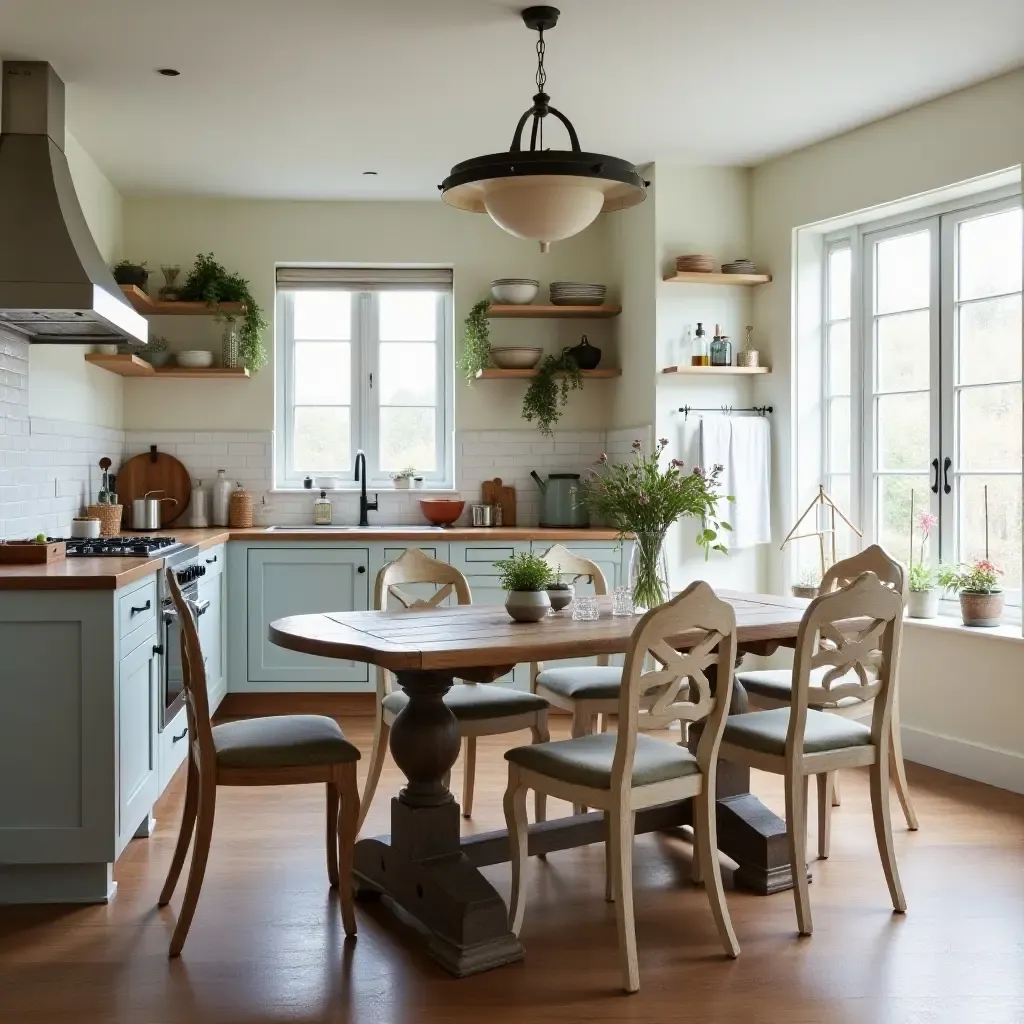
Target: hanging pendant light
[[543, 194]]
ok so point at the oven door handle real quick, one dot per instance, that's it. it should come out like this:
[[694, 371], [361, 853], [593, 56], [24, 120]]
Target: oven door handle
[[199, 607]]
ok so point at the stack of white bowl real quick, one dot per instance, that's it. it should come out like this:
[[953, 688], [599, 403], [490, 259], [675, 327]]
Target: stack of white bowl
[[514, 291], [574, 293]]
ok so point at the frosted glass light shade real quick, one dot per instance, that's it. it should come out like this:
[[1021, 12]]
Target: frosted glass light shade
[[543, 207]]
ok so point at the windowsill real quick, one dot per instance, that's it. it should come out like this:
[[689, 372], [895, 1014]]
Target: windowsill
[[372, 488], [1008, 631]]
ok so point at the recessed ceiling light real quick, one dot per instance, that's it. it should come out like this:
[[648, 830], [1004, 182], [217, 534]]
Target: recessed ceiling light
[[168, 72], [370, 174]]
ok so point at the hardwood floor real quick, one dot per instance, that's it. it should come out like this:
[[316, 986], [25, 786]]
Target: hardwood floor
[[267, 943]]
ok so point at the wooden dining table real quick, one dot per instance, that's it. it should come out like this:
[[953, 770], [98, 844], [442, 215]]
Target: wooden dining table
[[425, 866]]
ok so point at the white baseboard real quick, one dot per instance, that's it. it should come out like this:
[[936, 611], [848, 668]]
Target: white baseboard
[[1001, 768]]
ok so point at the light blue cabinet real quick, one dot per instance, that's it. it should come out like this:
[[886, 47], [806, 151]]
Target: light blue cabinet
[[138, 707], [298, 580], [211, 634]]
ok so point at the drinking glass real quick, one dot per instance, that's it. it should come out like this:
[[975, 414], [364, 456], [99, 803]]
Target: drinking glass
[[622, 601], [584, 609]]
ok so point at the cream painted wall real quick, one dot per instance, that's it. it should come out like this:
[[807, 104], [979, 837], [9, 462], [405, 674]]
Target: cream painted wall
[[62, 386], [250, 237], [962, 697], [967, 134], [707, 210]]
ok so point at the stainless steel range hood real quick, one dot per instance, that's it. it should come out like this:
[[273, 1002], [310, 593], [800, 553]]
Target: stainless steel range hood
[[54, 285]]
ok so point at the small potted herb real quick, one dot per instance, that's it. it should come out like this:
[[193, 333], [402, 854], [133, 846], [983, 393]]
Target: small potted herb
[[981, 597], [807, 584], [560, 594], [526, 578], [130, 272], [403, 478]]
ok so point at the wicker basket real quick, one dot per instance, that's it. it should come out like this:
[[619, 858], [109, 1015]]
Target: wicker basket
[[240, 509], [109, 517]]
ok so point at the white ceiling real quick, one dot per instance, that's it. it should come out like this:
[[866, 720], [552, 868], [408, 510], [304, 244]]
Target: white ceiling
[[296, 98]]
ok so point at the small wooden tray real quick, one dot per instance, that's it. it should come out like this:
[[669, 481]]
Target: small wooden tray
[[28, 552]]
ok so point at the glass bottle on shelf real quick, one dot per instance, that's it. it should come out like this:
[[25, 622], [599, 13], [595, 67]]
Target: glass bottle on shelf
[[700, 348], [323, 511], [721, 349]]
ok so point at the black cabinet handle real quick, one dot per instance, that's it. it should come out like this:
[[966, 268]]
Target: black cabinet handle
[[946, 486], [210, 561], [180, 736], [935, 482], [361, 568], [144, 608], [158, 648]]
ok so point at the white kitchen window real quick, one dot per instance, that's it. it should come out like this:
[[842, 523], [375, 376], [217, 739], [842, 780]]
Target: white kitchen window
[[934, 380], [366, 363]]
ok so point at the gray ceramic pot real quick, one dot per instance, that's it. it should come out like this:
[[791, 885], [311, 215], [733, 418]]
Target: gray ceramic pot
[[527, 605], [561, 597]]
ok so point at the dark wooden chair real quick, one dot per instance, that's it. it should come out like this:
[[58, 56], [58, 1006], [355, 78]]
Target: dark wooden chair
[[276, 751]]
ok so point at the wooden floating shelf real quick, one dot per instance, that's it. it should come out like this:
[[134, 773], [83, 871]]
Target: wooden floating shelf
[[133, 366], [142, 303], [707, 371], [692, 277], [496, 312], [496, 374]]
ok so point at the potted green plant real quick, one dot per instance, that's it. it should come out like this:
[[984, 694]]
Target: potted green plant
[[476, 342], [549, 389], [923, 599], [209, 282], [560, 593], [807, 583], [526, 578], [977, 583], [130, 272], [641, 501], [403, 478]]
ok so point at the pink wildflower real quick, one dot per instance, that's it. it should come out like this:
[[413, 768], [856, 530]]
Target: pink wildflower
[[926, 522], [663, 441], [637, 445], [677, 463], [984, 565]]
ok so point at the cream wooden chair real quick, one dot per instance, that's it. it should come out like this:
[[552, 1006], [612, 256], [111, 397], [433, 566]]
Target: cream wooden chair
[[279, 751], [627, 771], [772, 688], [481, 709], [857, 660]]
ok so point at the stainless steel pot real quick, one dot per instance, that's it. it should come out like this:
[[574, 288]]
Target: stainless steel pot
[[481, 515], [146, 511]]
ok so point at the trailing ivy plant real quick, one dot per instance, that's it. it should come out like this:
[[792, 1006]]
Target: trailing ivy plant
[[556, 377], [476, 342], [209, 282]]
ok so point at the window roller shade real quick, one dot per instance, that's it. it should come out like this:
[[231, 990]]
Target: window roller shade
[[365, 278]]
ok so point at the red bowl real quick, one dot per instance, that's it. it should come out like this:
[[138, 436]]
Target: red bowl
[[441, 511]]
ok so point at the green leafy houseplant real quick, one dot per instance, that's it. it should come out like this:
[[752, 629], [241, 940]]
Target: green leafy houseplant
[[640, 498], [556, 377], [524, 572], [476, 342], [131, 272], [922, 578], [209, 282]]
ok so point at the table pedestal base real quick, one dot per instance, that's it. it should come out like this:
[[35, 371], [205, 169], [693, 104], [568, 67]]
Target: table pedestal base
[[422, 869]]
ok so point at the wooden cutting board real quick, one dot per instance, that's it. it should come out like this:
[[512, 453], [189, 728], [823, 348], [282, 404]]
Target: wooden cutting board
[[496, 493], [154, 471]]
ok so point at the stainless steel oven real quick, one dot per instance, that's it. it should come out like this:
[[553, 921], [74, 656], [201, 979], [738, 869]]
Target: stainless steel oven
[[188, 571]]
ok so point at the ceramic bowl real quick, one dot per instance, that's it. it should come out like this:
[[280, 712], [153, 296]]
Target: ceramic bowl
[[441, 511], [514, 293], [516, 358], [195, 359]]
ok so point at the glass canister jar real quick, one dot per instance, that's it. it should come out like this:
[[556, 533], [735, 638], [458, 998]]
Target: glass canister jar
[[721, 351], [323, 510]]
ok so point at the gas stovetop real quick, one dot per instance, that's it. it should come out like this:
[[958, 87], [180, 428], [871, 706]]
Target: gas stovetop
[[119, 547]]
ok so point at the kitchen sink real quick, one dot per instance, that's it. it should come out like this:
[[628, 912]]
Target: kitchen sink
[[351, 529]]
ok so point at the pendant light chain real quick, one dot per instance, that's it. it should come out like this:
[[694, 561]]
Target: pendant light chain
[[541, 80]]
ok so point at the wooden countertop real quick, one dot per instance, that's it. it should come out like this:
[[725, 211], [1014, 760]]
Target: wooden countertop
[[112, 573]]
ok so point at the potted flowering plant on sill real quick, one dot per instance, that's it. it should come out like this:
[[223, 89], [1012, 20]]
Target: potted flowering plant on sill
[[402, 480], [641, 499], [981, 597], [923, 599], [526, 577]]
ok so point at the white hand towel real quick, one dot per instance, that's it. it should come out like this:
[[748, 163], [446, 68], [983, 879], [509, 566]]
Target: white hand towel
[[742, 445]]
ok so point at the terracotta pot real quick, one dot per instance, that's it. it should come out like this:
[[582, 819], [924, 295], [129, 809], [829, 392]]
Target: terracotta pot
[[527, 605], [923, 604], [981, 609]]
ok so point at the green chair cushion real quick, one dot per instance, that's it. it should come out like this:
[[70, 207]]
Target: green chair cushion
[[282, 741], [475, 701], [777, 684], [765, 731], [587, 760], [583, 682]]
